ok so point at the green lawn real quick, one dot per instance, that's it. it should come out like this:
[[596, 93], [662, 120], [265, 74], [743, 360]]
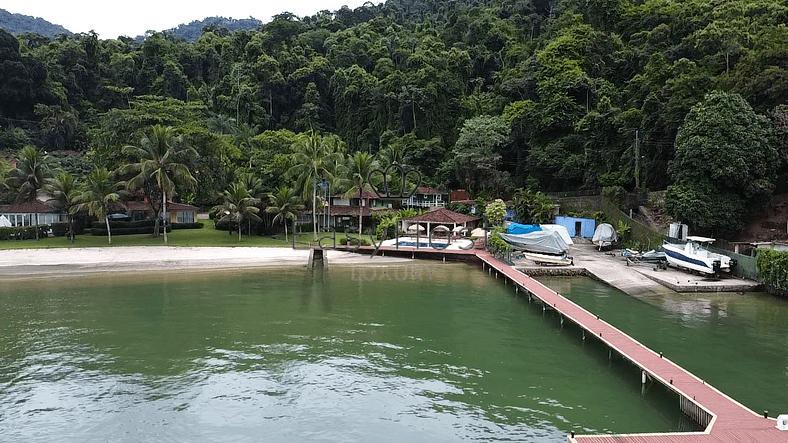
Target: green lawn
[[207, 236]]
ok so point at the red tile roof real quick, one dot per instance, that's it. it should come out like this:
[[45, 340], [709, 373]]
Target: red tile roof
[[428, 191], [443, 215], [27, 207], [364, 194]]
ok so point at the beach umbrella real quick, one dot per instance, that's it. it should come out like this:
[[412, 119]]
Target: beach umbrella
[[478, 232], [412, 228], [457, 229]]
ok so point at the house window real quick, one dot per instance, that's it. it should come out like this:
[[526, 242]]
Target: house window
[[186, 217]]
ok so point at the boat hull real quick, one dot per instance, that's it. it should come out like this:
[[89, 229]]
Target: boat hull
[[545, 259], [705, 262]]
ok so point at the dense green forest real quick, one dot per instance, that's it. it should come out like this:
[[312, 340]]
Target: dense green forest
[[484, 95], [18, 23]]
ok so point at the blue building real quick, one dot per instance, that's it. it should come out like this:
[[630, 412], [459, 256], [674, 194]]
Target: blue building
[[577, 227]]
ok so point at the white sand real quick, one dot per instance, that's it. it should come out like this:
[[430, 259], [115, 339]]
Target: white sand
[[70, 261]]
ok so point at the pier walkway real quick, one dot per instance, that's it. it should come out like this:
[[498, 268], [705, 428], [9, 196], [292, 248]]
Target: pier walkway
[[723, 418]]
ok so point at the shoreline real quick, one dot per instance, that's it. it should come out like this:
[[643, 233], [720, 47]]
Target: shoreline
[[74, 262]]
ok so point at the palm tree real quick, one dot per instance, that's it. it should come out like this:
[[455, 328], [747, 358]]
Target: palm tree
[[314, 159], [30, 176], [238, 205], [97, 195], [359, 165], [63, 192], [285, 204], [254, 185], [159, 158]]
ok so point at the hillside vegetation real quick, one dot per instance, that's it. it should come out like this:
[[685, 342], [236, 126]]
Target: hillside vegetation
[[488, 96]]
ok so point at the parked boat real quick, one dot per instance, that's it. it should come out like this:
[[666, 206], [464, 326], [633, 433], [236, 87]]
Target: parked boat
[[695, 256], [604, 236], [540, 242], [547, 259]]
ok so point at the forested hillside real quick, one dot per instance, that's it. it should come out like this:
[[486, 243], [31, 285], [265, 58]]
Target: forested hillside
[[484, 95], [18, 23]]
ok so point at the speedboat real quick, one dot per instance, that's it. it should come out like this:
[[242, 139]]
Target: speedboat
[[695, 256]]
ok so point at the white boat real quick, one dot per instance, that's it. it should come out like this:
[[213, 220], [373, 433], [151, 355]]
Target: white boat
[[547, 259], [695, 256], [604, 236]]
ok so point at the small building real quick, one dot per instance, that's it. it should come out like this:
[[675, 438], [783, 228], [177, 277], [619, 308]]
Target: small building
[[176, 212], [577, 227], [24, 214], [426, 197]]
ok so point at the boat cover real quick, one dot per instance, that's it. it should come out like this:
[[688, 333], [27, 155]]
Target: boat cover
[[561, 230], [546, 242], [604, 233], [517, 228]]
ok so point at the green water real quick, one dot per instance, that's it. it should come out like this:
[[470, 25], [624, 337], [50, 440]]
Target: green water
[[448, 353], [736, 342]]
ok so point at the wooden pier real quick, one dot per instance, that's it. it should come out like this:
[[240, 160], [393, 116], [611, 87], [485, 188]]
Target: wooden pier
[[723, 419]]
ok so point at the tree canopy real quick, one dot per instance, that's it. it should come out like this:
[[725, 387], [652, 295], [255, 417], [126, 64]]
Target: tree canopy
[[489, 96]]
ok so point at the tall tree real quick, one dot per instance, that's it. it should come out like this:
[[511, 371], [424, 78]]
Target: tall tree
[[238, 206], [29, 176], [314, 158], [359, 165], [63, 193], [98, 194], [284, 204], [160, 158], [725, 163]]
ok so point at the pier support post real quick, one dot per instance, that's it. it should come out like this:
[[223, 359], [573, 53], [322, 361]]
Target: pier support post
[[584, 335], [643, 377]]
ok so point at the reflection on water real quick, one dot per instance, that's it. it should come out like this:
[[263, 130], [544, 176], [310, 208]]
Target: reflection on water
[[449, 354], [736, 342]]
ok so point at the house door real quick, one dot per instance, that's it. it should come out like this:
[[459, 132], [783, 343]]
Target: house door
[[578, 229]]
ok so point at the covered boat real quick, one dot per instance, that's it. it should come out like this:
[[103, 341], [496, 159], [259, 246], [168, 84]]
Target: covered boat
[[604, 236], [542, 242], [695, 256]]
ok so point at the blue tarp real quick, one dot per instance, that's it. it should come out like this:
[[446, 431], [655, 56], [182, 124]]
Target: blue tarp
[[517, 228]]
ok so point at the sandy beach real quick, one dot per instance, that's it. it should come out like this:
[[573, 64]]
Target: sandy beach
[[75, 261]]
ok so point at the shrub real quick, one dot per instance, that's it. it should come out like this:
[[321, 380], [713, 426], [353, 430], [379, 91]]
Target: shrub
[[59, 229], [773, 268], [196, 225], [126, 231]]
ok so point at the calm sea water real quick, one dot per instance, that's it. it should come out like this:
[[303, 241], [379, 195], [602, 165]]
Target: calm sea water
[[417, 352], [736, 342]]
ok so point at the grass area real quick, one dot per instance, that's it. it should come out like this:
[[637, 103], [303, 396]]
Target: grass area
[[207, 236]]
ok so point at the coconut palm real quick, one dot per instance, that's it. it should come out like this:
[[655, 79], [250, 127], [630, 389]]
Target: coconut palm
[[238, 206], [63, 192], [314, 159], [97, 195], [29, 177], [359, 165], [254, 185], [160, 158], [285, 204]]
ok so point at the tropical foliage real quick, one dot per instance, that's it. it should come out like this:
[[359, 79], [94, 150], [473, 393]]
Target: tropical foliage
[[486, 96]]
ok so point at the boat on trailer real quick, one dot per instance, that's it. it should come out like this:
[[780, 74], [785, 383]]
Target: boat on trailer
[[542, 247], [695, 256]]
